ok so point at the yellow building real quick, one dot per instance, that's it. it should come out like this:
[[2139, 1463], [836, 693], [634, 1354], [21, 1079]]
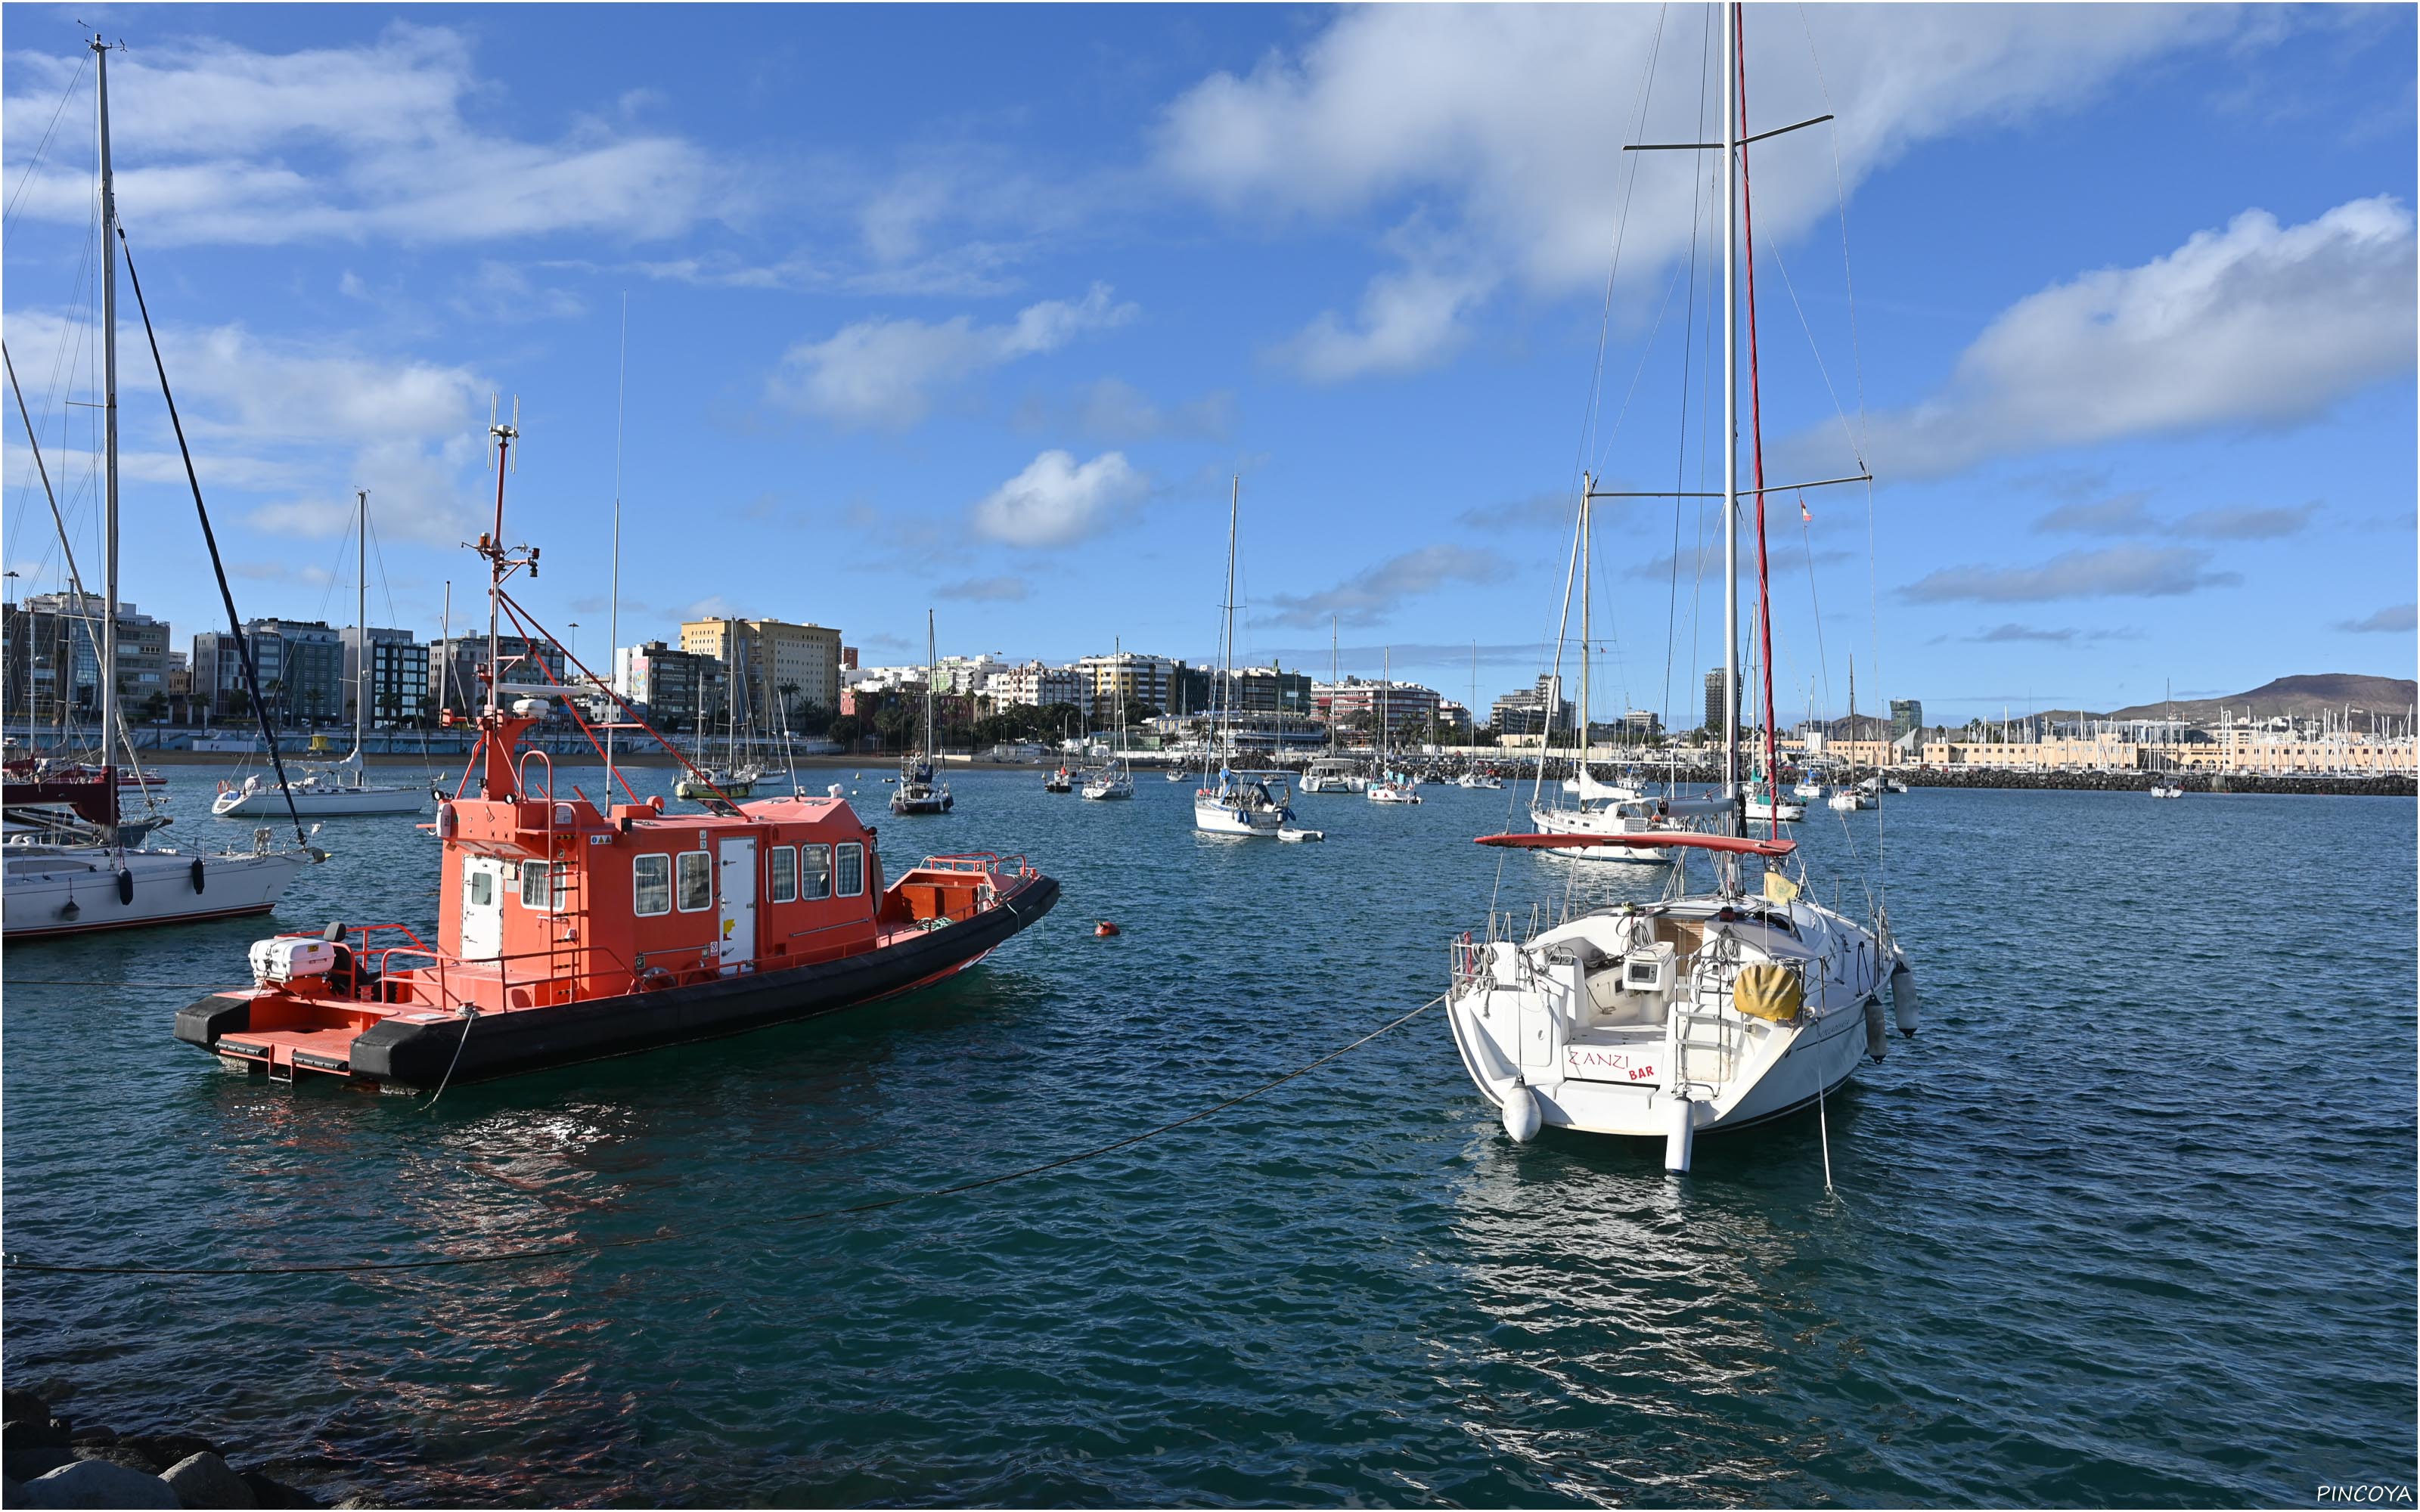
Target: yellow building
[[772, 654]]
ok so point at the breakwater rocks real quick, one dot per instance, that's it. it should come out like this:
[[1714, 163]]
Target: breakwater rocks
[[2367, 787], [49, 1462]]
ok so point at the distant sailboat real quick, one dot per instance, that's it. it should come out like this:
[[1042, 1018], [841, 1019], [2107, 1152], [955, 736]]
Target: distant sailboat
[[920, 791], [340, 789]]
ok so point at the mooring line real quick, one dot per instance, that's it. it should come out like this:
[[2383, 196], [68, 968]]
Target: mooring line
[[16, 1262]]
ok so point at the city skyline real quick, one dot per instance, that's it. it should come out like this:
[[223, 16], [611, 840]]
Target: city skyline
[[2121, 280]]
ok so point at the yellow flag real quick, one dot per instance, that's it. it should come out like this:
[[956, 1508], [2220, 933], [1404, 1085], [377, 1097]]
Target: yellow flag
[[1780, 888]]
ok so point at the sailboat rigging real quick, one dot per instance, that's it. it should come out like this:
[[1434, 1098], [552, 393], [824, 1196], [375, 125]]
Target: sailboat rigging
[[1708, 1009]]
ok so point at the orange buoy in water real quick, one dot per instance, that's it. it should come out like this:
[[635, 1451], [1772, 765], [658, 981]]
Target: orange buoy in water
[[1104, 929]]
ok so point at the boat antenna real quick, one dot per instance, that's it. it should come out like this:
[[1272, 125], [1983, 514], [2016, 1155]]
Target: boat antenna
[[613, 583]]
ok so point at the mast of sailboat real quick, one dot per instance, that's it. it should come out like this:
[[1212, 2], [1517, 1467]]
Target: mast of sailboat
[[1226, 631], [1730, 412], [1331, 685], [614, 582], [361, 625], [108, 430], [930, 754], [1588, 534], [1385, 707]]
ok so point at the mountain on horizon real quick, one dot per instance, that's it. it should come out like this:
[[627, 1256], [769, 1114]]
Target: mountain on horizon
[[2298, 696]]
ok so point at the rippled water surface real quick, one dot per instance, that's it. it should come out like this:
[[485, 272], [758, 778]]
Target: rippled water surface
[[2132, 1221]]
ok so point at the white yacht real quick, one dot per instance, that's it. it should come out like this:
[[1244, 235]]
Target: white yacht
[[339, 789], [1236, 802], [920, 791], [67, 863], [1705, 1011], [1114, 780], [1334, 774], [1389, 787]]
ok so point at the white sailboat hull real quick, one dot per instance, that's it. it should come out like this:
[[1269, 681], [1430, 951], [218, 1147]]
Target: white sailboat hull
[[1529, 1027], [41, 881], [313, 802], [1212, 817], [1573, 822]]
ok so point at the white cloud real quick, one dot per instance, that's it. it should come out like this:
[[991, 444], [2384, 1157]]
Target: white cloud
[[1374, 594], [882, 371], [2110, 572], [1113, 410], [1408, 321], [217, 143], [1055, 503], [2395, 619], [987, 590], [1505, 121], [2255, 324]]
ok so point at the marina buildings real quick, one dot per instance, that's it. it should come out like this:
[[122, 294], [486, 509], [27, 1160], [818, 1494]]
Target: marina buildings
[[781, 664], [669, 683], [399, 673]]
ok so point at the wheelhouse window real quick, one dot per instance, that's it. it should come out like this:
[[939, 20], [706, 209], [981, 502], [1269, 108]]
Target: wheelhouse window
[[852, 869], [482, 884], [782, 874], [696, 881], [651, 883], [815, 871], [543, 886]]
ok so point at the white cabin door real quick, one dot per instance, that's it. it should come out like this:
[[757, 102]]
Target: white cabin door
[[738, 894], [483, 908]]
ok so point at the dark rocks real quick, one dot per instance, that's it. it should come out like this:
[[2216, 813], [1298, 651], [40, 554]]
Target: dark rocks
[[359, 1499], [25, 1464], [47, 1465], [203, 1480], [96, 1483], [165, 1449], [121, 1452], [35, 1433]]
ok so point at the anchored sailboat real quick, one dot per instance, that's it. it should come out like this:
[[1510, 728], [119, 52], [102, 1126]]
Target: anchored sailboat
[[920, 791], [73, 866], [1709, 1009], [1236, 802], [340, 788]]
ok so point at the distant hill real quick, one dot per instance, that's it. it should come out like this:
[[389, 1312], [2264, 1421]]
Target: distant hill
[[2291, 696]]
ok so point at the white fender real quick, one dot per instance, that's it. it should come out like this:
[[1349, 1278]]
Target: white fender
[[1903, 998], [1522, 1115], [1680, 1134], [1877, 1043]]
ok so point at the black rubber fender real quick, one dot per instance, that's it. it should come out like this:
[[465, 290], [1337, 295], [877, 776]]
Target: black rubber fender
[[125, 885], [197, 873]]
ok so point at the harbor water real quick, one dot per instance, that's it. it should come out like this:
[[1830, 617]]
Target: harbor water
[[2130, 1222]]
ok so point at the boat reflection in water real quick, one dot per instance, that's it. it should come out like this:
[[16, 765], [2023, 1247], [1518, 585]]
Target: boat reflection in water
[[1656, 1318]]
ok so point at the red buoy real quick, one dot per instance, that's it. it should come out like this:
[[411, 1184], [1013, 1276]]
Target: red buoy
[[1103, 928]]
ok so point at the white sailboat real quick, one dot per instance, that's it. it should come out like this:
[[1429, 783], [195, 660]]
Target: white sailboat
[[66, 866], [1390, 786], [919, 790], [339, 789], [1236, 802], [1114, 780], [1709, 1009], [1333, 773], [1619, 815]]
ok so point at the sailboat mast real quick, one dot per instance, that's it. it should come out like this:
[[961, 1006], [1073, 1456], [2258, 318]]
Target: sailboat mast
[[108, 670], [614, 582], [1226, 637], [1731, 404], [1588, 534], [929, 674], [361, 619]]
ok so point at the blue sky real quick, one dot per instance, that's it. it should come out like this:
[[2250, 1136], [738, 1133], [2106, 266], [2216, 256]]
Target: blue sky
[[981, 308]]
